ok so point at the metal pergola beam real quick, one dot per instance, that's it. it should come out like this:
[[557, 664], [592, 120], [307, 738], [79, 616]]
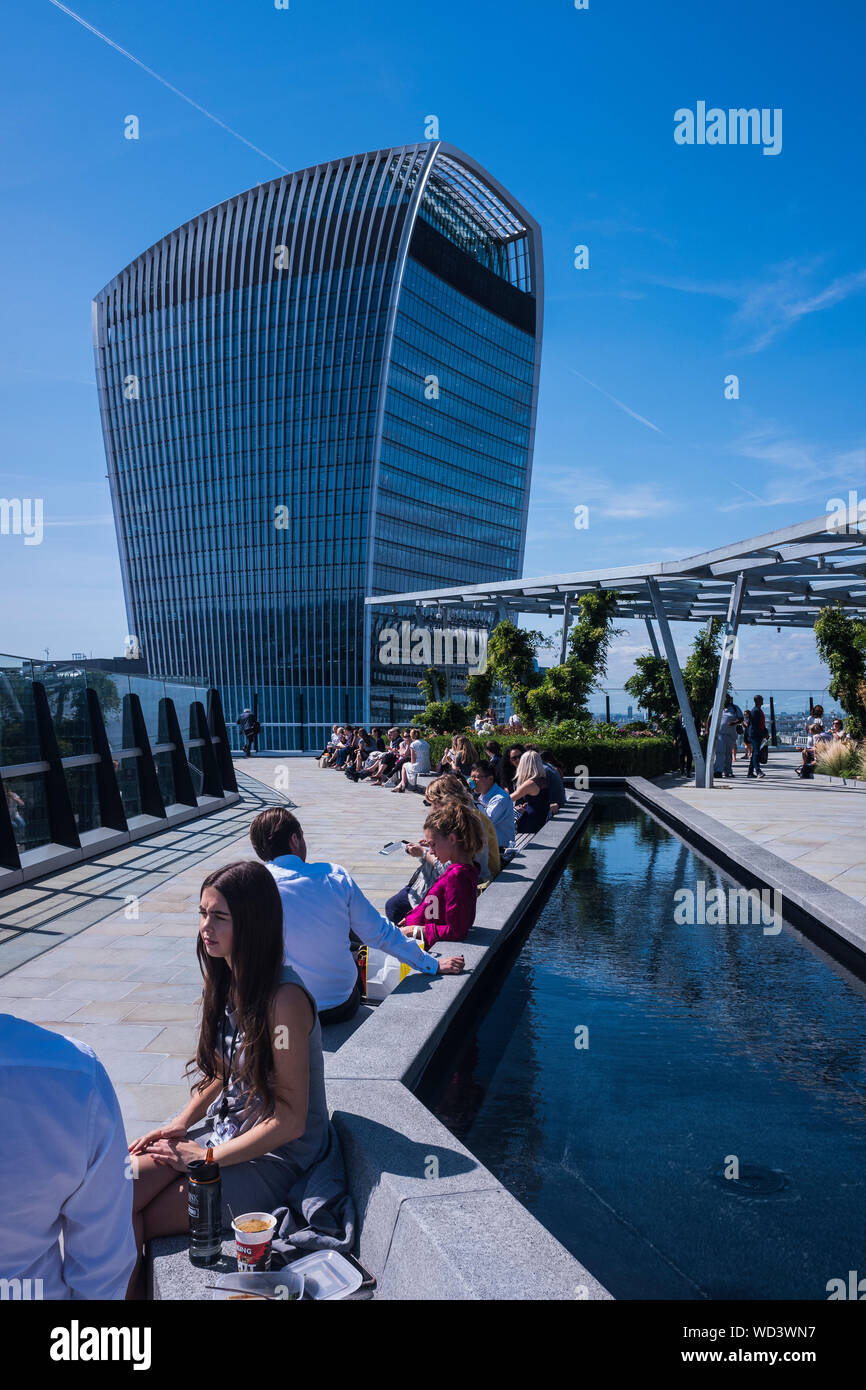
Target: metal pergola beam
[[732, 623], [653, 639], [677, 678], [566, 619]]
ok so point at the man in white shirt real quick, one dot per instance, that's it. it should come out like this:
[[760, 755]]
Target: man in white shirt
[[322, 907], [64, 1169]]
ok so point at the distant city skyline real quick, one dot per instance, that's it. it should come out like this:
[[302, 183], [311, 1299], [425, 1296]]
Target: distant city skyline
[[701, 263]]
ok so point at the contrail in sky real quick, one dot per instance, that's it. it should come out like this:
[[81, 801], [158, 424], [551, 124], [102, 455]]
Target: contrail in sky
[[633, 413], [150, 72]]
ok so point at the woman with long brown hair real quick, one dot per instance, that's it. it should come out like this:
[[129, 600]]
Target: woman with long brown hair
[[454, 834], [259, 1104]]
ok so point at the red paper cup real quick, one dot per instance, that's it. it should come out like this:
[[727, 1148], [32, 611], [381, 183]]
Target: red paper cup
[[253, 1248]]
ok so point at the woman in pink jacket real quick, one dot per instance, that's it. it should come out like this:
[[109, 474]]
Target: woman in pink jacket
[[447, 912]]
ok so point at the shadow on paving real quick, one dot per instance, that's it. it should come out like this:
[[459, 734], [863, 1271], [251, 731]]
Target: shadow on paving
[[42, 913]]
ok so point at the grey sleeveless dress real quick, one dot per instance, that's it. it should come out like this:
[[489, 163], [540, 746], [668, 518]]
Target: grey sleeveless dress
[[261, 1184]]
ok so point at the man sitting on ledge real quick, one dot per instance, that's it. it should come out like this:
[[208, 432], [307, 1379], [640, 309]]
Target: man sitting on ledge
[[322, 906]]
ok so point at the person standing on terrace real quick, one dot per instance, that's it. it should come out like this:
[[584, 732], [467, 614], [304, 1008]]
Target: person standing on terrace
[[757, 729], [322, 908]]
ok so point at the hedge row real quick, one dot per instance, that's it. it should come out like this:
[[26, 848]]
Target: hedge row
[[620, 757]]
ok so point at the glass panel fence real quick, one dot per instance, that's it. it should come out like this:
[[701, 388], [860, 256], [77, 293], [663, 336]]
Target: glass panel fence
[[28, 807], [84, 795], [126, 771], [19, 741]]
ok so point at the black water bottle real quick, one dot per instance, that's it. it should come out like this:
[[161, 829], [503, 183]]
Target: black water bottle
[[205, 1213]]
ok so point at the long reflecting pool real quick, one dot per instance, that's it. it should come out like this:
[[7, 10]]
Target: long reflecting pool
[[709, 1051]]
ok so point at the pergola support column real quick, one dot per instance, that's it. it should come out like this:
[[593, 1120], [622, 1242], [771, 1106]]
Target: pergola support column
[[566, 619], [735, 607], [677, 678], [653, 639]]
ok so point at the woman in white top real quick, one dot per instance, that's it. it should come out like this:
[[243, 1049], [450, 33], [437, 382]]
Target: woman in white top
[[419, 762]]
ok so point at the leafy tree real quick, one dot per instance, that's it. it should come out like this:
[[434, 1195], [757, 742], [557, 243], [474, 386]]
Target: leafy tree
[[652, 687], [564, 691], [444, 716], [593, 632], [842, 646], [479, 688], [510, 657], [701, 671], [433, 684]]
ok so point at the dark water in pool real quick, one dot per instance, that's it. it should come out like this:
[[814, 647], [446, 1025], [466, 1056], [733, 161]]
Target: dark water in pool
[[705, 1044]]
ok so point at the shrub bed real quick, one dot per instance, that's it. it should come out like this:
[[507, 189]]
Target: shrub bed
[[604, 757]]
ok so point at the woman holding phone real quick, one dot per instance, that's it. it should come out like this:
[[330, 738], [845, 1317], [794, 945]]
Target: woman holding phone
[[258, 1107]]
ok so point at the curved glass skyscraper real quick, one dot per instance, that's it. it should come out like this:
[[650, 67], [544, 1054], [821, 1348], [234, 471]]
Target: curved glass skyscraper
[[322, 389]]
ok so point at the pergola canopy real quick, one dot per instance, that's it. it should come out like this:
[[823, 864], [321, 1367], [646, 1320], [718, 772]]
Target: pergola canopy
[[781, 579], [790, 575]]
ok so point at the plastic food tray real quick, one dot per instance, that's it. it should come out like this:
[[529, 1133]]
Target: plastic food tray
[[327, 1274]]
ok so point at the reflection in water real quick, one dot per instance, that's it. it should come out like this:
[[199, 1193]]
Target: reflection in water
[[711, 1049]]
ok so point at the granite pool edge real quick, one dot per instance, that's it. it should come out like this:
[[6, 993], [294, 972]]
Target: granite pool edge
[[835, 921], [434, 1222]]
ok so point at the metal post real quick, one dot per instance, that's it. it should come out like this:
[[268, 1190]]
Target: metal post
[[217, 725], [653, 640], [677, 677], [152, 803], [111, 812], [566, 619], [811, 704], [211, 782], [774, 737], [735, 605], [9, 856], [169, 732], [61, 817], [607, 708]]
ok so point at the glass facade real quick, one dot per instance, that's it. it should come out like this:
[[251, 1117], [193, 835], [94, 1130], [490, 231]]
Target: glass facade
[[277, 448]]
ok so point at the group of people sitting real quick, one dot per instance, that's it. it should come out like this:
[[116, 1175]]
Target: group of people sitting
[[817, 737], [531, 778], [396, 763]]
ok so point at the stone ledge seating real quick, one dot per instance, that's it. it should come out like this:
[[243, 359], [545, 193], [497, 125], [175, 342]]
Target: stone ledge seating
[[433, 1223]]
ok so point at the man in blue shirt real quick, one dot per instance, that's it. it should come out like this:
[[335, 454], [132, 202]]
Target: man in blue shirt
[[65, 1171], [323, 907], [497, 803]]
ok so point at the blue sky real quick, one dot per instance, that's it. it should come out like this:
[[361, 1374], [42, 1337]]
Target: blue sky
[[704, 260]]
